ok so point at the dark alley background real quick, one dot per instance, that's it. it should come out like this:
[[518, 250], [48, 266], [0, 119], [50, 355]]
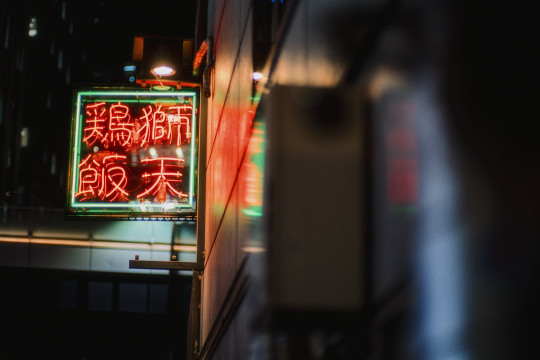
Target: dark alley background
[[48, 48]]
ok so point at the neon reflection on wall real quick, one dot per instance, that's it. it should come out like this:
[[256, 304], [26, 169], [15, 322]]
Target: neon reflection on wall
[[133, 152]]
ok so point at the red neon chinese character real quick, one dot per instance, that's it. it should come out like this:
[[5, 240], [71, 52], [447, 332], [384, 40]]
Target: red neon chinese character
[[159, 124], [144, 130], [153, 126], [89, 178], [120, 127], [101, 177], [113, 179], [161, 180], [96, 123], [178, 122]]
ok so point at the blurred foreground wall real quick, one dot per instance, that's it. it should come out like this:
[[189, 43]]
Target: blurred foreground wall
[[393, 216]]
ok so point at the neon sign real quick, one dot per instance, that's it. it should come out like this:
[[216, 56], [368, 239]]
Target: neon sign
[[133, 154]]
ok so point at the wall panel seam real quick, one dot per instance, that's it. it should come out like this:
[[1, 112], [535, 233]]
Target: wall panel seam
[[238, 51], [235, 184], [233, 299]]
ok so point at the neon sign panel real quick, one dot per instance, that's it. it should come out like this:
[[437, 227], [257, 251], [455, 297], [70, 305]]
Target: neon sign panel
[[133, 154]]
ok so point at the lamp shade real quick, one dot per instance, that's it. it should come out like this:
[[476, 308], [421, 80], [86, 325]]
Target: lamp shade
[[162, 56], [163, 60]]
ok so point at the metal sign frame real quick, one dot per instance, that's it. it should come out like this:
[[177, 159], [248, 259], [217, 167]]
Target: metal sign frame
[[134, 154]]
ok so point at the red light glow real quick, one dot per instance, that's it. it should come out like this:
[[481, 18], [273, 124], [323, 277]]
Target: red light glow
[[162, 178], [115, 126], [95, 123], [120, 127], [401, 146], [103, 175]]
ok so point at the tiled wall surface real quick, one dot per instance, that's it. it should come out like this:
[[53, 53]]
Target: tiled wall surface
[[230, 116]]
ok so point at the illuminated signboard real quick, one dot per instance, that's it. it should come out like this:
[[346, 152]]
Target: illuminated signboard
[[133, 154]]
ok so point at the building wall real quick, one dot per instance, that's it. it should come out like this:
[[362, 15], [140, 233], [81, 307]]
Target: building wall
[[231, 292], [229, 125]]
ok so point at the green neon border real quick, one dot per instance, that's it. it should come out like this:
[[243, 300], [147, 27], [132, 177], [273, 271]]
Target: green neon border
[[93, 209]]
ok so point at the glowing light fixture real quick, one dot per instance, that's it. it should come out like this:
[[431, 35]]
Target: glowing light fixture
[[131, 245], [163, 70], [164, 55], [163, 62], [32, 27], [257, 76], [253, 249]]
